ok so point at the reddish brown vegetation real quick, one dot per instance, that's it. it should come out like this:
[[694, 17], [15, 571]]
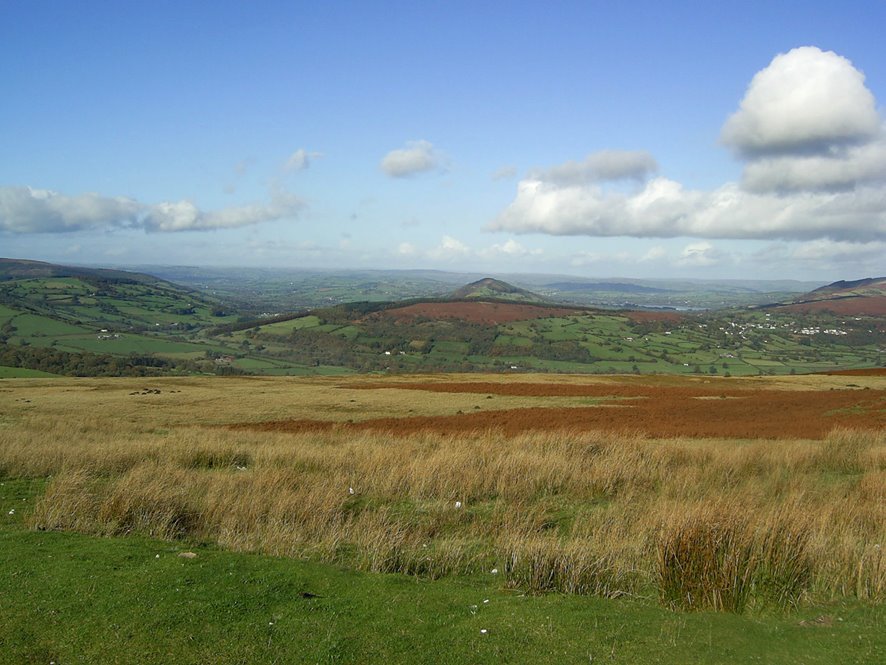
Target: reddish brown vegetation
[[870, 371], [489, 313], [656, 411], [854, 306]]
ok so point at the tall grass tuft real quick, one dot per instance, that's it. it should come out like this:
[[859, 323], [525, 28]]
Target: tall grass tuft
[[706, 560], [716, 558]]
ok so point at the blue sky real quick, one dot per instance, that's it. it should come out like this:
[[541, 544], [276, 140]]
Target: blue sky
[[603, 139]]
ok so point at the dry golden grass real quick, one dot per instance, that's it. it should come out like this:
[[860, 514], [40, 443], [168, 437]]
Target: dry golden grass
[[694, 522]]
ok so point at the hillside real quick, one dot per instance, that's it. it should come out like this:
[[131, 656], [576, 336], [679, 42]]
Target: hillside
[[495, 289], [87, 321], [11, 269], [95, 322], [870, 286], [863, 297]]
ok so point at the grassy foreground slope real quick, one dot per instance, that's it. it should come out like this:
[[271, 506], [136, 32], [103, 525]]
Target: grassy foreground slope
[[70, 598]]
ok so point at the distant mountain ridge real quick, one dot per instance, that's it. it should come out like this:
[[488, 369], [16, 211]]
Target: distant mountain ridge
[[611, 287], [489, 288], [27, 269], [849, 297], [869, 286]]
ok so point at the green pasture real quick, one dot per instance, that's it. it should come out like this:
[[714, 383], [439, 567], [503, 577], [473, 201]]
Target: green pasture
[[32, 325]]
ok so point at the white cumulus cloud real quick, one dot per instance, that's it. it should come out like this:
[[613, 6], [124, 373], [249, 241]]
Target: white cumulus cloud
[[806, 100], [654, 254], [815, 168], [416, 157], [602, 166], [664, 209], [699, 254], [28, 210], [406, 249], [449, 249], [510, 249], [300, 160]]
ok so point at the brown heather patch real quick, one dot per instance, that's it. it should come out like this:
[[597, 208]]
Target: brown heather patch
[[850, 306], [655, 411], [489, 313], [870, 371]]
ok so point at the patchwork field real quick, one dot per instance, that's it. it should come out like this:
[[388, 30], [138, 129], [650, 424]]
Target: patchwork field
[[761, 497]]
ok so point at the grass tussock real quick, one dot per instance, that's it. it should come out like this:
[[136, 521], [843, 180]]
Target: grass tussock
[[695, 523], [715, 557]]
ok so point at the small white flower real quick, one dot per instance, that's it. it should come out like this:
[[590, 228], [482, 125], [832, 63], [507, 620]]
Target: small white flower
[[483, 631], [494, 571], [351, 491], [12, 512], [458, 504], [485, 600], [156, 556]]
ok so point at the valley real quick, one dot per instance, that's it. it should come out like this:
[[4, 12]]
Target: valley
[[78, 322]]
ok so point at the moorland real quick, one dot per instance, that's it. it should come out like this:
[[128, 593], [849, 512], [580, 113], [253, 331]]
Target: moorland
[[495, 518], [192, 475]]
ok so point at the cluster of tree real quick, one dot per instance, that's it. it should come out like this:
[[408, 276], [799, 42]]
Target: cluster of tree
[[68, 363]]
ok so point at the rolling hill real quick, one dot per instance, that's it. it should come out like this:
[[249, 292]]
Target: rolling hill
[[495, 289], [862, 297], [152, 325], [11, 269], [73, 320]]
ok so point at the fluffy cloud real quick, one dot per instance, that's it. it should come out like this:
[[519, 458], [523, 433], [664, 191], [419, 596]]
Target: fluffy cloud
[[300, 160], [406, 249], [808, 123], [699, 254], [416, 157], [449, 249], [664, 209], [654, 254], [843, 170], [601, 166], [806, 101], [510, 249], [815, 168], [27, 210], [453, 250]]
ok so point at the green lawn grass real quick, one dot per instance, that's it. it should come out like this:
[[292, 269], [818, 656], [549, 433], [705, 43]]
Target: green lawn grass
[[70, 598]]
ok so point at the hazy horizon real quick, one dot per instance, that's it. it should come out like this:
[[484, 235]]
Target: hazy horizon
[[634, 141]]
